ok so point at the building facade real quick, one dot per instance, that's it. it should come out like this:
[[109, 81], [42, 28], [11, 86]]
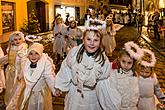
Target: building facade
[[13, 13]]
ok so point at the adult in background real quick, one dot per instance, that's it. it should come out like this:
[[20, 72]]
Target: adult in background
[[67, 19], [54, 21], [140, 20], [155, 19]]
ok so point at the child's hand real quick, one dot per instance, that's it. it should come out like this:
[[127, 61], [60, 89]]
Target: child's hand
[[58, 92], [161, 106]]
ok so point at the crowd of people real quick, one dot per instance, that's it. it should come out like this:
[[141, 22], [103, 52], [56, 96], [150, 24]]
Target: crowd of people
[[87, 76]]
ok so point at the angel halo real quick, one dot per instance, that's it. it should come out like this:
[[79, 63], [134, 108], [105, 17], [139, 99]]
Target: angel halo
[[95, 24]]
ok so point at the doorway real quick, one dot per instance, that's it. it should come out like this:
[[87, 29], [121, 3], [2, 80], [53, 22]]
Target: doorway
[[40, 11]]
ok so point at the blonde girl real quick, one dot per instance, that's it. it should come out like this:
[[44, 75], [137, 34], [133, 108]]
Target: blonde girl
[[80, 72]]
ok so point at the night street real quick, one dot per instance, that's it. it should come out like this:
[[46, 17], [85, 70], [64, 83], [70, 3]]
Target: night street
[[37, 35], [127, 33]]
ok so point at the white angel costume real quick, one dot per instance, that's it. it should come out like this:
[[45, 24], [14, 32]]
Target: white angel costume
[[72, 36], [149, 88], [15, 54], [109, 40], [59, 41], [127, 86], [39, 84], [80, 80], [109, 97]]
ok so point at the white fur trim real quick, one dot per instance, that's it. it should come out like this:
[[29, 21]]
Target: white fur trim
[[95, 27], [152, 61], [136, 55]]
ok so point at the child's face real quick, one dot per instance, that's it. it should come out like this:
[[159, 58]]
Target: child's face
[[91, 42], [126, 62], [59, 21], [72, 24], [33, 56], [109, 22], [17, 40], [145, 71]]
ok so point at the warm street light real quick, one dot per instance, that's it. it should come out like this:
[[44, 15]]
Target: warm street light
[[161, 3]]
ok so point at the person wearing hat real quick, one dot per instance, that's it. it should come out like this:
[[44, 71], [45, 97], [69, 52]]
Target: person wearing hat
[[109, 33], [15, 52], [38, 73], [59, 41], [73, 34]]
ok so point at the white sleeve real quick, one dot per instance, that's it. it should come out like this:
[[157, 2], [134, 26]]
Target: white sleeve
[[63, 77], [108, 96], [49, 75]]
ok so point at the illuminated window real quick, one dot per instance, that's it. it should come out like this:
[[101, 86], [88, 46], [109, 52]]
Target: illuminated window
[[7, 16]]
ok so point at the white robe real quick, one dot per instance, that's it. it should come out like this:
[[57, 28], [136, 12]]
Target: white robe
[[108, 96], [127, 87], [13, 70], [109, 41], [149, 88], [39, 84], [80, 81], [59, 41], [73, 35]]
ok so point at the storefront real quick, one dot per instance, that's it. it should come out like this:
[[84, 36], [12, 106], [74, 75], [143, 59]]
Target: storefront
[[12, 15], [64, 10], [67, 10]]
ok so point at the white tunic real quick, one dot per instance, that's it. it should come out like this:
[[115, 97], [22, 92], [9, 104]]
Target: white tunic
[[73, 35], [149, 88], [127, 86], [109, 41], [80, 81], [39, 81], [108, 96], [59, 41]]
